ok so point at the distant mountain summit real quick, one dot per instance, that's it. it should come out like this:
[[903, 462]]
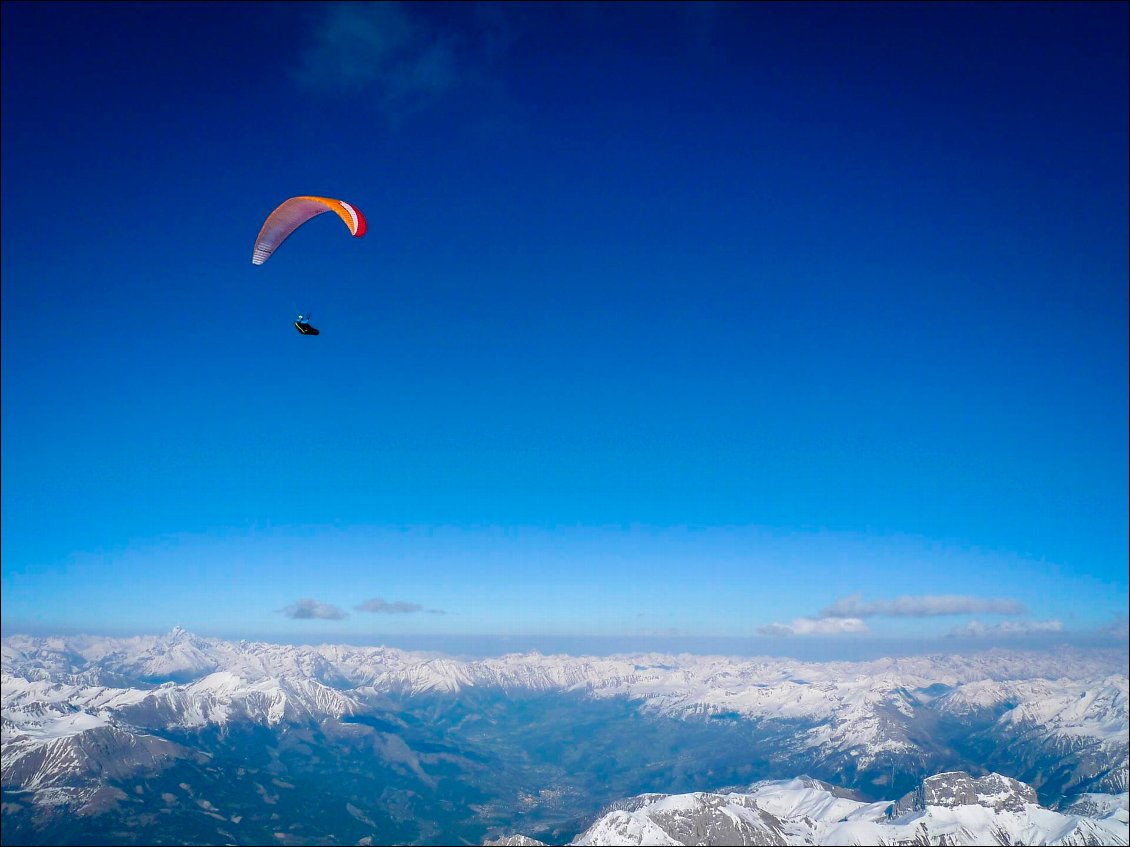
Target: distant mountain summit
[[951, 790], [178, 656]]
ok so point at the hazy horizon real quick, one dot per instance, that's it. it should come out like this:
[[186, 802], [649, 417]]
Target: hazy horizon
[[859, 649]]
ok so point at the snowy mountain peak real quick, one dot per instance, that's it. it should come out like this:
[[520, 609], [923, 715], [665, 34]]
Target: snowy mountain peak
[[957, 788]]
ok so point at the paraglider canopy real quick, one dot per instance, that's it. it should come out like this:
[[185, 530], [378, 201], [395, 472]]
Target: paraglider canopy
[[296, 211]]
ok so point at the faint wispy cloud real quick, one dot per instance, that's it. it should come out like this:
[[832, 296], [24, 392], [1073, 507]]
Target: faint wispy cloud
[[925, 606], [403, 57], [976, 629], [400, 55], [380, 47], [815, 626], [381, 606], [307, 609], [1119, 627]]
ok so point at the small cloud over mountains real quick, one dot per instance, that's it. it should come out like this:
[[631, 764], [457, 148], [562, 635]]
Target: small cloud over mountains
[[924, 606], [847, 614], [1118, 628], [976, 629], [381, 606], [815, 626], [308, 609]]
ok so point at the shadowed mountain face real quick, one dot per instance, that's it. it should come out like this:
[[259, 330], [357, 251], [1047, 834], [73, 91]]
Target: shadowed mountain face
[[180, 739]]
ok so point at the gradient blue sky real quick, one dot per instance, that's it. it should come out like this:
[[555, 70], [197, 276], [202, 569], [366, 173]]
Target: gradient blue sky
[[679, 321]]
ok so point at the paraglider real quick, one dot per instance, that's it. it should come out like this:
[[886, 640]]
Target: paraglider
[[292, 214]]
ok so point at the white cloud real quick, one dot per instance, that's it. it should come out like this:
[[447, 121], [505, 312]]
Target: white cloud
[[816, 626], [976, 629], [775, 629], [925, 606], [307, 609]]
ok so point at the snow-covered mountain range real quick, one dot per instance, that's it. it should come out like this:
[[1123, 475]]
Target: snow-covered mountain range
[[950, 809], [83, 714]]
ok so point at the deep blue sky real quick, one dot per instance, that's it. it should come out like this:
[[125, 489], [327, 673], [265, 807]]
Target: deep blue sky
[[682, 319]]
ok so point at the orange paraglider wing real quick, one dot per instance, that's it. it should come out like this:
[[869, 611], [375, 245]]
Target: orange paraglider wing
[[294, 213]]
